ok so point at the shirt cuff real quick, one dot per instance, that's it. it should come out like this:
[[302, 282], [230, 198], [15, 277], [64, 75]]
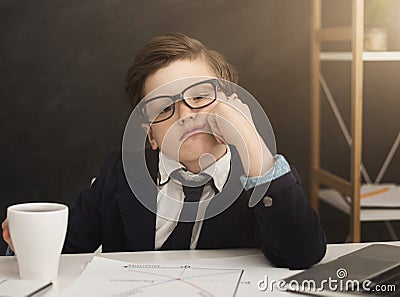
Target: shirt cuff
[[280, 168], [9, 252]]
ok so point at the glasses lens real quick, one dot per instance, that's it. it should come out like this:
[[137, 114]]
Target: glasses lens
[[200, 95], [158, 109]]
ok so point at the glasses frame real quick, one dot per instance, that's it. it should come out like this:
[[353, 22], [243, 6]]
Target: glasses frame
[[214, 82]]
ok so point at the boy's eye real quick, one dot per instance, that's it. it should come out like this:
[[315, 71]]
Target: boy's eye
[[166, 109], [201, 96]]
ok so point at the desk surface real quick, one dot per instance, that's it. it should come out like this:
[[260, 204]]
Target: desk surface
[[71, 266]]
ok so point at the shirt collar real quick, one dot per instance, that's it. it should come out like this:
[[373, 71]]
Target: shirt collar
[[219, 170]]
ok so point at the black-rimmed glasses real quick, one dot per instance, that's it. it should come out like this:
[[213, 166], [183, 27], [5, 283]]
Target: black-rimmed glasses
[[196, 96]]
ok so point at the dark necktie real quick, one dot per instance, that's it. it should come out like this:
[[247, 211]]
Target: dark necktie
[[181, 236]]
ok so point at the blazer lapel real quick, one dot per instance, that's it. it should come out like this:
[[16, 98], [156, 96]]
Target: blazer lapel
[[139, 222]]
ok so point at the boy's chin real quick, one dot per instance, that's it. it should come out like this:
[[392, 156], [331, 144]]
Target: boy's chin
[[196, 148], [191, 156]]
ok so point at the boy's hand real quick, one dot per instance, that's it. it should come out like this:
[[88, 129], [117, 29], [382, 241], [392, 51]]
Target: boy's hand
[[230, 120], [6, 234]]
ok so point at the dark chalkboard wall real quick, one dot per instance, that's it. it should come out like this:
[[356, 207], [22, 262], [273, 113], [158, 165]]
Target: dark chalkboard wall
[[63, 65]]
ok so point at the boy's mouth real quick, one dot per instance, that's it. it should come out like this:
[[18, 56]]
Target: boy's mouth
[[192, 131]]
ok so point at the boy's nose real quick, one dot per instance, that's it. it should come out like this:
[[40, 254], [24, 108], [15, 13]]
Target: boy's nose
[[185, 113]]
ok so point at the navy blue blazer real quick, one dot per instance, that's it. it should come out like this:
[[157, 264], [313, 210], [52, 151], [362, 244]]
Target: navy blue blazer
[[108, 214]]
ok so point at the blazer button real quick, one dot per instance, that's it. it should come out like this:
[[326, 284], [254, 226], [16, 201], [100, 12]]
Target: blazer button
[[267, 201]]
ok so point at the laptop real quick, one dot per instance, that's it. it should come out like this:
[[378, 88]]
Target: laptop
[[370, 271]]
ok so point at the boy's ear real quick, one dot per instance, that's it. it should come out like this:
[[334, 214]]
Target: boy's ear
[[149, 132]]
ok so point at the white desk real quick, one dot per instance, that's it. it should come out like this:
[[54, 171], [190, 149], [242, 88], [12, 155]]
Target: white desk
[[72, 265]]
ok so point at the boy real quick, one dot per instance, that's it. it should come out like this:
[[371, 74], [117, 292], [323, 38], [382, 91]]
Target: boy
[[111, 214]]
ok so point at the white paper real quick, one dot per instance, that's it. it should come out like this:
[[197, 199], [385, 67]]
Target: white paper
[[105, 277], [381, 196], [19, 288]]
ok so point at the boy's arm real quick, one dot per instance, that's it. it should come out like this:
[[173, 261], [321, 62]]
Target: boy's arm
[[289, 231], [288, 228], [85, 223]]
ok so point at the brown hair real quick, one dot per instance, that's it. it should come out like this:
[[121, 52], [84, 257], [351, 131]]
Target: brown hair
[[165, 49]]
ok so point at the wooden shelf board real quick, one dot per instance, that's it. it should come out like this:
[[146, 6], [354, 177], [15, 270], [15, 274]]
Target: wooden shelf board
[[367, 56]]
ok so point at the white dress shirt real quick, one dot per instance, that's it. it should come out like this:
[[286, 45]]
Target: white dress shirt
[[170, 197]]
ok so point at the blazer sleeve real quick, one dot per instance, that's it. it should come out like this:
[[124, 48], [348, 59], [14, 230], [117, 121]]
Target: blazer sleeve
[[85, 223], [289, 231]]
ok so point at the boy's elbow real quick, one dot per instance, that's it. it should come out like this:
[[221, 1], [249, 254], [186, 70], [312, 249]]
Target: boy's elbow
[[297, 256], [305, 259]]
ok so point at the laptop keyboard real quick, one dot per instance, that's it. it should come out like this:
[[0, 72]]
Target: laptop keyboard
[[386, 283]]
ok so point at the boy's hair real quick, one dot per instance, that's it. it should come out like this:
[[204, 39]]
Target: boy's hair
[[165, 49]]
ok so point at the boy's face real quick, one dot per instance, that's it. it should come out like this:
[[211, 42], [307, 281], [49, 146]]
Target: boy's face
[[186, 135]]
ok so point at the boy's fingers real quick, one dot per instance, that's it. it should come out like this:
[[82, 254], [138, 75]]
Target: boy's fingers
[[6, 236], [6, 233], [212, 121], [4, 225], [7, 239]]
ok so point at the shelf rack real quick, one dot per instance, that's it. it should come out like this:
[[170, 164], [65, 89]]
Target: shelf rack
[[319, 176]]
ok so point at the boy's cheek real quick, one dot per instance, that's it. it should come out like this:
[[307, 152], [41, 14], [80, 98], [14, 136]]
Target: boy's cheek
[[170, 145]]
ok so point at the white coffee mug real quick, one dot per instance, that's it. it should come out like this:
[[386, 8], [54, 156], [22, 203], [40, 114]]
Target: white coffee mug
[[38, 232]]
